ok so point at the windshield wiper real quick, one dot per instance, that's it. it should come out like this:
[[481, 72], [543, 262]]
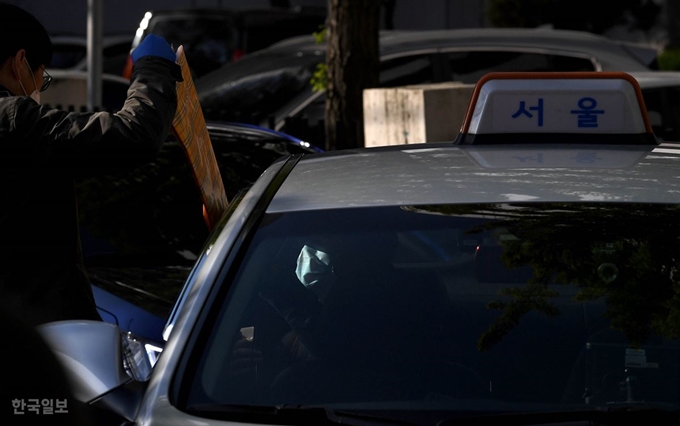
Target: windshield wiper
[[615, 414], [291, 415]]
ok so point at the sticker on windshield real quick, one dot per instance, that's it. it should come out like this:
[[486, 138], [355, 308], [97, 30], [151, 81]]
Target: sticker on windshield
[[637, 358]]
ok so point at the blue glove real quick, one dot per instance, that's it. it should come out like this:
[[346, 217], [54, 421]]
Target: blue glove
[[153, 45]]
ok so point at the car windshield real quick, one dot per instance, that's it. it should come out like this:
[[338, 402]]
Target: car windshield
[[479, 308]]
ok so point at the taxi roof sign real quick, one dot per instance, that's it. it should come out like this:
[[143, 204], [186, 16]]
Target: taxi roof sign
[[557, 107]]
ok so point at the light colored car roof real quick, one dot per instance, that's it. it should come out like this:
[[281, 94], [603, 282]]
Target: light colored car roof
[[612, 54], [304, 51], [498, 159], [436, 173]]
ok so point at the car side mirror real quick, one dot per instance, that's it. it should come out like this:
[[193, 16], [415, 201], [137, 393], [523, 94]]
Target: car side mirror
[[96, 357]]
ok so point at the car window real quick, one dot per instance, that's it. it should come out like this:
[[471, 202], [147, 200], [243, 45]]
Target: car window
[[469, 67], [509, 307], [406, 70]]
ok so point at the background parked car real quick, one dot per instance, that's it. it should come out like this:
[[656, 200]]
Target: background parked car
[[68, 90], [214, 37], [272, 87]]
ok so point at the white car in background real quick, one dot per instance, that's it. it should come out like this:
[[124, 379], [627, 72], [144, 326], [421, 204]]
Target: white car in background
[[68, 90]]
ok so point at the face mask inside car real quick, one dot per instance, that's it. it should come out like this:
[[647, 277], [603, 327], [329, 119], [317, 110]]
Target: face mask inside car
[[315, 271]]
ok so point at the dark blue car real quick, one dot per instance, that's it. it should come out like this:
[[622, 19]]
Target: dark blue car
[[142, 230]]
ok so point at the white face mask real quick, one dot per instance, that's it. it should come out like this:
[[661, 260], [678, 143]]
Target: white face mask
[[35, 95], [314, 270], [312, 266]]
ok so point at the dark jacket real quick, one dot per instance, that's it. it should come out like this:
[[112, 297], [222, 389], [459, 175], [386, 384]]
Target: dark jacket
[[42, 150]]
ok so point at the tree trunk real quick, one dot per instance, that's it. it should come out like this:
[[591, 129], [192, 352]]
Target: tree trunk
[[352, 65]]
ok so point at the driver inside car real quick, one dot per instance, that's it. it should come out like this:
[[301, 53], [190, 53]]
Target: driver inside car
[[346, 296]]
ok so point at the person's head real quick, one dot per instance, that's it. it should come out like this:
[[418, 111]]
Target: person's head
[[25, 50]]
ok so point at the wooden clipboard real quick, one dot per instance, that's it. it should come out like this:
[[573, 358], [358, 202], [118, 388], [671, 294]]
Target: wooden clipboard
[[190, 129]]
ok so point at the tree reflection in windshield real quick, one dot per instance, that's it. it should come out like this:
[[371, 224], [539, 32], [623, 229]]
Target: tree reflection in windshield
[[626, 254], [500, 302]]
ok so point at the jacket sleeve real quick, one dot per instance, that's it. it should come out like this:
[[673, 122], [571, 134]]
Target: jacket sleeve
[[84, 142]]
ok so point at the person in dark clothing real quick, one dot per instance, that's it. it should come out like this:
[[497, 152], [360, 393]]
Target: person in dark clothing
[[42, 151]]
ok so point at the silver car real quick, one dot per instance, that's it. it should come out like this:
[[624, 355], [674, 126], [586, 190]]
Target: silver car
[[525, 273]]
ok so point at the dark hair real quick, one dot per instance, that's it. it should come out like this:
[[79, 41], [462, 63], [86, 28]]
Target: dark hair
[[21, 30]]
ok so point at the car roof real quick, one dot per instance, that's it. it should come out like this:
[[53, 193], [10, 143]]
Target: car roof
[[612, 54], [304, 51], [436, 173], [526, 137]]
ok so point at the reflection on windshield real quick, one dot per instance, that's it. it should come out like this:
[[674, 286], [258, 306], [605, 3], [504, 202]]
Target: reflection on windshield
[[500, 307]]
